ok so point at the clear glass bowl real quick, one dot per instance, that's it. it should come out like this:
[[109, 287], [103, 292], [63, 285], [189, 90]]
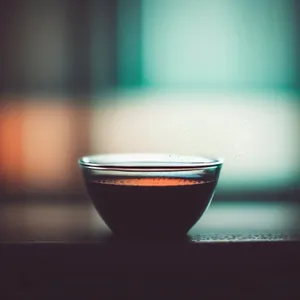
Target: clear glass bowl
[[150, 195]]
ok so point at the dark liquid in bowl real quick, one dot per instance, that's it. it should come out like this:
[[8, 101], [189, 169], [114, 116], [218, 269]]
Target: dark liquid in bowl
[[143, 207]]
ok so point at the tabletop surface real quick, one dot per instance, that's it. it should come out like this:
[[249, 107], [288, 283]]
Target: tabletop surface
[[77, 221], [64, 250]]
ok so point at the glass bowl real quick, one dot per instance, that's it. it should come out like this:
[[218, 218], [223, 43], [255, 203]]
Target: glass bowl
[[150, 195]]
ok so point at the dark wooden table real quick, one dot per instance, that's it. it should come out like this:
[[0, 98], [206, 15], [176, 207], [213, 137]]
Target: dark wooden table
[[80, 259]]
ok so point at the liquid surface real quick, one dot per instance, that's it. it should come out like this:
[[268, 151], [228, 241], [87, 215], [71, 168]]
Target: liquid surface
[[150, 206], [150, 182]]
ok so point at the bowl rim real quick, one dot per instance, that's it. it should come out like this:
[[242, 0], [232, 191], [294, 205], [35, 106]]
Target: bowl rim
[[145, 162]]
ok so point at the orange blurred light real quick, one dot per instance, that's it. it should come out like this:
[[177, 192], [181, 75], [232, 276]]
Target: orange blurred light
[[11, 162], [40, 142]]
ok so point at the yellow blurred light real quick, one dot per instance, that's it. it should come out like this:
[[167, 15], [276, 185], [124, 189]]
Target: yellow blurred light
[[46, 144], [256, 134]]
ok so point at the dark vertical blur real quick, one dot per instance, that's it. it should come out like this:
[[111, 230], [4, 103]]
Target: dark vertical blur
[[46, 47], [79, 22], [10, 76], [103, 18]]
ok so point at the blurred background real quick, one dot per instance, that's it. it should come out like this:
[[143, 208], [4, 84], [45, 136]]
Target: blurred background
[[201, 77]]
